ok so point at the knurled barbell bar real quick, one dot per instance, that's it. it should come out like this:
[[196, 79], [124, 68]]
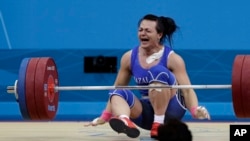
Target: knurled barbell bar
[[37, 88]]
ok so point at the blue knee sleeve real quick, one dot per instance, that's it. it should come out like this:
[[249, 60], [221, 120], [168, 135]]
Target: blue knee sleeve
[[161, 74], [176, 108], [127, 95]]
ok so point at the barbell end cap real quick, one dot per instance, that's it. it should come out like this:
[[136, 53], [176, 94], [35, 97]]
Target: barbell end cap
[[10, 89], [13, 90]]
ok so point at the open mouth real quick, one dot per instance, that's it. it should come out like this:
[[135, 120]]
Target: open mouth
[[144, 40]]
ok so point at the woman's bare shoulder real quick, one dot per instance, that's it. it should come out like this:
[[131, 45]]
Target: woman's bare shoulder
[[175, 61]]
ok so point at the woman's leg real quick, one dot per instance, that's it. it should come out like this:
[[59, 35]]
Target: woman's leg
[[124, 105], [160, 97]]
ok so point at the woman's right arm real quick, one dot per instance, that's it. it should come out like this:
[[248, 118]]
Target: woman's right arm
[[122, 79]]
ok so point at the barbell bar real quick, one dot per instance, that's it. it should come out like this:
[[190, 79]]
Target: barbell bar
[[68, 88], [11, 89], [37, 88]]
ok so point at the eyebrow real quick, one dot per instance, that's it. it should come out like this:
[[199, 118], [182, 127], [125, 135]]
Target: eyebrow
[[146, 28]]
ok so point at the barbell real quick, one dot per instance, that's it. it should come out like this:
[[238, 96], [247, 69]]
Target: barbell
[[37, 88]]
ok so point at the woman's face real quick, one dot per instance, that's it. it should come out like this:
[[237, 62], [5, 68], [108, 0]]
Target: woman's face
[[147, 34]]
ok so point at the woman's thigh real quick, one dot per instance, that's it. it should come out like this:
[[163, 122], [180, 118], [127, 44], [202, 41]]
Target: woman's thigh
[[136, 110]]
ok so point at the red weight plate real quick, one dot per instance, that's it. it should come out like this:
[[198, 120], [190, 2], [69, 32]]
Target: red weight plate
[[46, 98], [245, 86], [30, 89], [236, 86]]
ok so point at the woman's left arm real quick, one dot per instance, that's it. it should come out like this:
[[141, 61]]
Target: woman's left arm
[[177, 65]]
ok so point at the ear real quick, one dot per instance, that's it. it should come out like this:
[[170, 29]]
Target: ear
[[159, 35]]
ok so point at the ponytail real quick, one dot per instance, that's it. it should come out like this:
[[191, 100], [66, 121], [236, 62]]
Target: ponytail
[[167, 26]]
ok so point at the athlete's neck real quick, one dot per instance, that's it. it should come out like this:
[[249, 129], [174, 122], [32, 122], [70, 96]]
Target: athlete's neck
[[150, 50]]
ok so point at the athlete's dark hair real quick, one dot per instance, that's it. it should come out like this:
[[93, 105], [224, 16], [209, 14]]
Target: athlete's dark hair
[[174, 130]]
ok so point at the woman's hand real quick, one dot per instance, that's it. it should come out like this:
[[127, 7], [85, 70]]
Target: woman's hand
[[200, 112], [95, 122]]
